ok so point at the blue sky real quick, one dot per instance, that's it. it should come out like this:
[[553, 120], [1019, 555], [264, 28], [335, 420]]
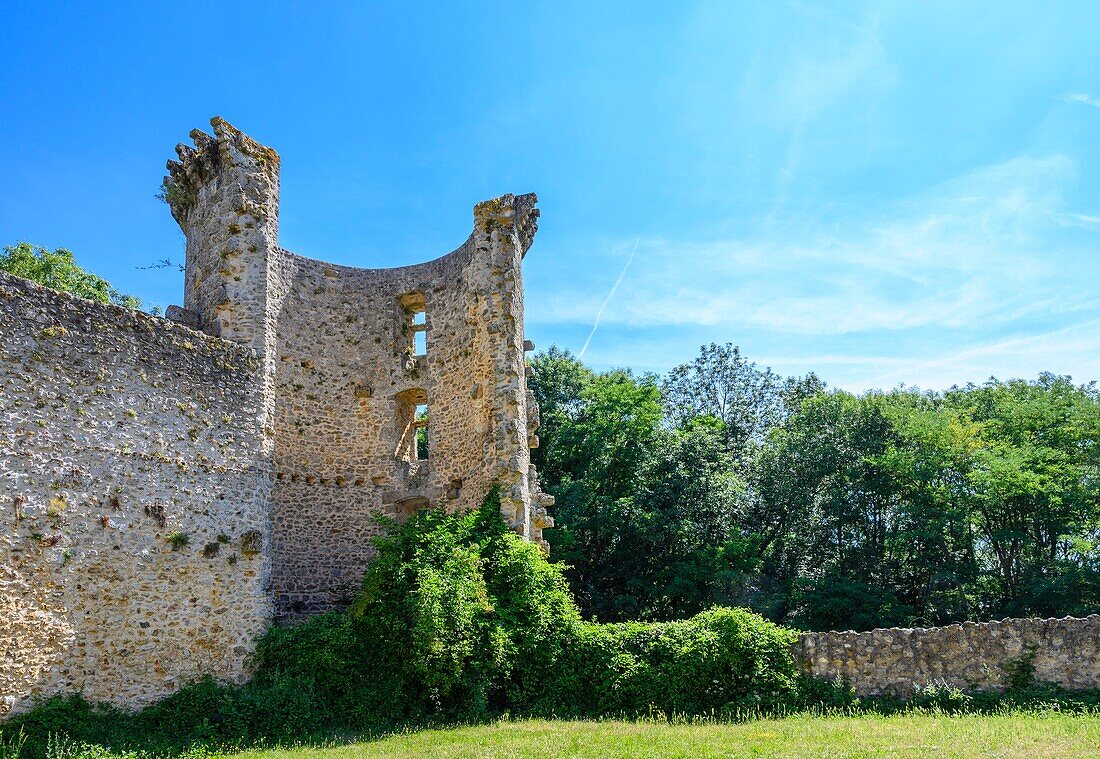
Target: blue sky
[[883, 193]]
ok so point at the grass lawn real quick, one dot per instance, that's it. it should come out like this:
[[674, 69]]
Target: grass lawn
[[1032, 735]]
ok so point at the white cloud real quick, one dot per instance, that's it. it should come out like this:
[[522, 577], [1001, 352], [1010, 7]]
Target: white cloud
[[1071, 350], [1080, 97], [949, 286], [1080, 220], [975, 250]]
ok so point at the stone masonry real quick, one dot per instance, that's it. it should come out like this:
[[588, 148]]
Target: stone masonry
[[168, 487], [352, 360], [134, 517], [970, 656]]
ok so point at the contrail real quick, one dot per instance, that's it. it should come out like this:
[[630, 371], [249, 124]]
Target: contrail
[[610, 295]]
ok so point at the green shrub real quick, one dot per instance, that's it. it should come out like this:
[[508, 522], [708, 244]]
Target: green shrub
[[461, 619], [69, 716], [178, 540], [427, 619], [821, 694], [312, 669], [11, 744], [458, 618], [719, 661]]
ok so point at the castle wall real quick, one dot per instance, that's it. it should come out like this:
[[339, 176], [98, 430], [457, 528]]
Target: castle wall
[[165, 492], [970, 656], [118, 432], [344, 365], [342, 377], [348, 373]]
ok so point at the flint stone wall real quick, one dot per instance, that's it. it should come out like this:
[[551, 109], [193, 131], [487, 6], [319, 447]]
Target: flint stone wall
[[971, 656], [118, 430]]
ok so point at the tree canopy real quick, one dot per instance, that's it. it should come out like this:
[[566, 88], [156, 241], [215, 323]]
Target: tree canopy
[[725, 483], [57, 269]]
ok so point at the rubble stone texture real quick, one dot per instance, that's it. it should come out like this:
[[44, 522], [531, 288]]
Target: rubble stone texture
[[970, 656], [119, 433], [168, 487], [342, 376]]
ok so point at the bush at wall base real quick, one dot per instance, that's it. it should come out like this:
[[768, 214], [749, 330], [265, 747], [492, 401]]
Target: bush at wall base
[[461, 620]]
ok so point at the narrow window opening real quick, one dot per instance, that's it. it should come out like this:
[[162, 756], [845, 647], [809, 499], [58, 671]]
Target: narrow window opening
[[422, 432], [412, 425], [415, 328]]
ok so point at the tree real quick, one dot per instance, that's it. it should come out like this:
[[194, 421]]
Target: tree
[[910, 508], [824, 513], [721, 383], [1034, 475], [557, 380], [820, 509], [58, 270], [648, 515], [616, 428], [686, 550], [602, 429]]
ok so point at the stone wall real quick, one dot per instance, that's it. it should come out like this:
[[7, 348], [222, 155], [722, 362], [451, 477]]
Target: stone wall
[[167, 486], [343, 376], [348, 381], [970, 656], [133, 502], [165, 491]]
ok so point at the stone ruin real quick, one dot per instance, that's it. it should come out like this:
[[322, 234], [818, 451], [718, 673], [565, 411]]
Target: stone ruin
[[169, 487], [356, 364]]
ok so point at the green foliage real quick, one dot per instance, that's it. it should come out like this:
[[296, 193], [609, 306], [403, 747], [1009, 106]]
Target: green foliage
[[684, 509], [650, 479], [11, 744], [178, 540], [617, 426], [719, 661], [817, 509], [70, 716], [173, 194], [459, 619], [1020, 672], [422, 435], [58, 270], [722, 384], [905, 508], [557, 380]]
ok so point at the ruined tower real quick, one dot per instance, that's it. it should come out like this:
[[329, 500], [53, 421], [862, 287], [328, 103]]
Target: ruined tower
[[385, 390]]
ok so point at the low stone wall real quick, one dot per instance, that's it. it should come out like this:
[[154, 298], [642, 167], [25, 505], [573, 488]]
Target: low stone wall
[[971, 656]]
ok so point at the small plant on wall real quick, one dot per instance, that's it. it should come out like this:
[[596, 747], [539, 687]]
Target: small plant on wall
[[178, 540]]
